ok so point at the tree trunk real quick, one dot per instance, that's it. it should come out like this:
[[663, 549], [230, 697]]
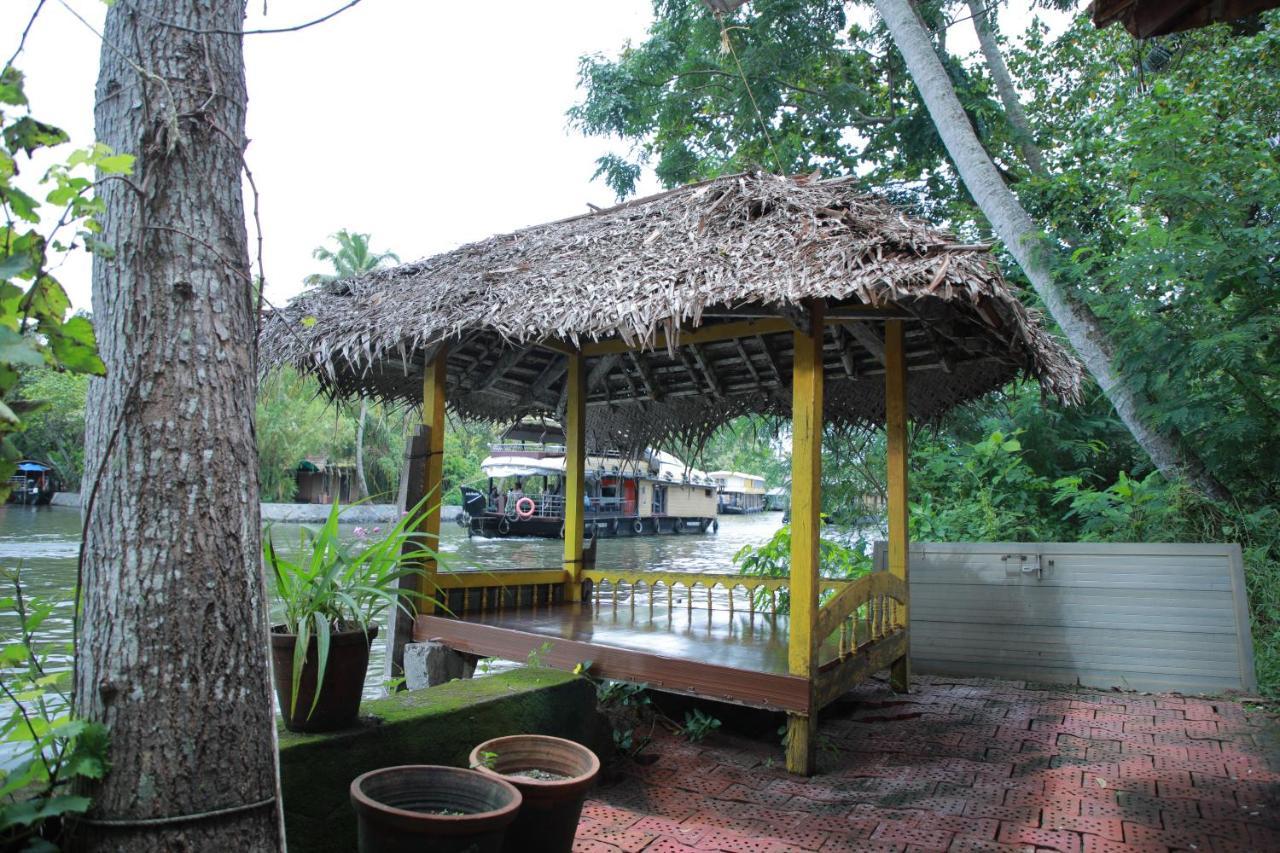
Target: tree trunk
[[983, 23], [173, 636], [362, 486], [1027, 245]]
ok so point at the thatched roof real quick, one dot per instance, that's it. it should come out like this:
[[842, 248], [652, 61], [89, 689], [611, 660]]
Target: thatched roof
[[723, 251]]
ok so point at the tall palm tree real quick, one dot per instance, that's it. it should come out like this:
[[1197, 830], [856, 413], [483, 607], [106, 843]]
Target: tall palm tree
[[351, 258]]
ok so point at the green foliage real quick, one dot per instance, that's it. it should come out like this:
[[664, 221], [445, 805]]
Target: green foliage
[[46, 748], [697, 725], [53, 428], [335, 584], [773, 560], [352, 257], [35, 330], [534, 658], [750, 444]]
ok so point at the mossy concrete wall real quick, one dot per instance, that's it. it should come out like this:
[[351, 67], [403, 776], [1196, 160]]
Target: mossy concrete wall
[[437, 725]]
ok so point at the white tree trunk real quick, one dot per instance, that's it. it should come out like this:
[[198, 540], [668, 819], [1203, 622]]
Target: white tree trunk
[[362, 486], [173, 633], [985, 26], [1026, 243]]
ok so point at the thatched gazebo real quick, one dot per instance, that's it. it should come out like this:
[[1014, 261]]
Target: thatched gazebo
[[655, 322]]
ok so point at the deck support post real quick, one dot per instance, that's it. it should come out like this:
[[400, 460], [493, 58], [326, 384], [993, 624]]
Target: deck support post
[[575, 435], [412, 492], [895, 388], [806, 521], [433, 390]]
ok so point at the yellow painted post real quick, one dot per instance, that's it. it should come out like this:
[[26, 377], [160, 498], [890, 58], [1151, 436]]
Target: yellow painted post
[[895, 408], [433, 388], [575, 435], [806, 508]]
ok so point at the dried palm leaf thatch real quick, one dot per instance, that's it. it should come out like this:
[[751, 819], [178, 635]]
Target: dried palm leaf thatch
[[737, 247]]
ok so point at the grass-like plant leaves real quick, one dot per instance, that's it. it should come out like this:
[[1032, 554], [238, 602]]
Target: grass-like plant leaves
[[337, 585]]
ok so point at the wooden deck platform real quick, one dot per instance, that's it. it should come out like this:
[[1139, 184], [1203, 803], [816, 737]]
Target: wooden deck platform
[[731, 656]]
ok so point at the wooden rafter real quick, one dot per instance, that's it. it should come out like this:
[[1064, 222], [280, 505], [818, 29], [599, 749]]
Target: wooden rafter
[[768, 356], [746, 359], [505, 362], [867, 336], [646, 376], [844, 345]]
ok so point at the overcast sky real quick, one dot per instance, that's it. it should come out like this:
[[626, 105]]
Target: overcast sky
[[427, 125]]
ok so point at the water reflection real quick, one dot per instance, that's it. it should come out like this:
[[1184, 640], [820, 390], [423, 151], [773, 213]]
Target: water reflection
[[46, 540]]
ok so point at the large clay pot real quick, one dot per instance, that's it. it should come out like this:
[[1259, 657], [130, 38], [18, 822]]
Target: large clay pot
[[549, 817], [423, 807], [343, 679]]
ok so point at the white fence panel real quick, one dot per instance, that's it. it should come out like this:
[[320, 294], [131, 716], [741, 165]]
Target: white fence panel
[[1134, 616]]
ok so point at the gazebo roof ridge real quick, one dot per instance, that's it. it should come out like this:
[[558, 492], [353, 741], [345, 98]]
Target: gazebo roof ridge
[[644, 271]]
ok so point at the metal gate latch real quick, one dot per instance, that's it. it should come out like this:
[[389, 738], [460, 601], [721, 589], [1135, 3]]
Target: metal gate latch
[[1023, 564]]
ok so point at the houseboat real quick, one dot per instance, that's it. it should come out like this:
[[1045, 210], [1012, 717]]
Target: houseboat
[[739, 493], [641, 494], [34, 483]]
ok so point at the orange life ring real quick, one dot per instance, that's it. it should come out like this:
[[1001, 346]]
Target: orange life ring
[[525, 508]]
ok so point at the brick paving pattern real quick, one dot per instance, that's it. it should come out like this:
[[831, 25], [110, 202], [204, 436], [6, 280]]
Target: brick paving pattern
[[969, 766]]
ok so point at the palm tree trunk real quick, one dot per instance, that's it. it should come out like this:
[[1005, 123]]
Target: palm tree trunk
[[985, 27], [1027, 243], [362, 486]]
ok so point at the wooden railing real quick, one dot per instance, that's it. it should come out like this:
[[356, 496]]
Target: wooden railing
[[701, 590], [864, 611]]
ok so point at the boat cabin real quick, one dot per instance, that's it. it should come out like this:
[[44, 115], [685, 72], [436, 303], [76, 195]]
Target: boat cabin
[[624, 493], [651, 324], [33, 483]]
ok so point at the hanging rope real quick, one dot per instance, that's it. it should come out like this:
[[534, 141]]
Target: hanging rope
[[726, 46]]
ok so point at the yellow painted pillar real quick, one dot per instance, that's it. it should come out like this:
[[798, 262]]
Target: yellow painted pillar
[[433, 390], [806, 523], [575, 435], [895, 408]]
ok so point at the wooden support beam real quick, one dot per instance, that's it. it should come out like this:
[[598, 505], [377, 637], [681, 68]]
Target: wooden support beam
[[867, 336], [646, 376], [433, 395], [768, 356], [713, 381], [412, 478], [575, 435], [806, 521], [553, 371], [506, 361], [895, 407], [701, 335], [686, 361], [746, 359], [844, 344], [600, 371]]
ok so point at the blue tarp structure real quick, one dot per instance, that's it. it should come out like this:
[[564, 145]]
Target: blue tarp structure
[[33, 467]]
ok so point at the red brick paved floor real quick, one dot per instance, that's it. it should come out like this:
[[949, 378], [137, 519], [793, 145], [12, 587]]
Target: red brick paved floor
[[968, 765]]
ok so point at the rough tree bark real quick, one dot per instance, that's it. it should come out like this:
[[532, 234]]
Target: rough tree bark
[[173, 646], [1026, 243], [362, 486], [985, 27]]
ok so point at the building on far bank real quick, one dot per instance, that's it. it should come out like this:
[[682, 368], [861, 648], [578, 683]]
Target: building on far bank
[[739, 493], [320, 481]]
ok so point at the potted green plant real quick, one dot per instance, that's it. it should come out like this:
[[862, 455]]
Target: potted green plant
[[552, 775], [428, 807], [332, 592]]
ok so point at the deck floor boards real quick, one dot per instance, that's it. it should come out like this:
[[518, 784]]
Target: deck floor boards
[[737, 657]]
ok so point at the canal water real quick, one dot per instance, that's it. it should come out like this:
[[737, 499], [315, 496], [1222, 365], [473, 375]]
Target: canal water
[[44, 542]]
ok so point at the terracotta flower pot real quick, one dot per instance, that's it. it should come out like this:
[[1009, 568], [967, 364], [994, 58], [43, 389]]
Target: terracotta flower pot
[[343, 679], [553, 775], [422, 807]]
